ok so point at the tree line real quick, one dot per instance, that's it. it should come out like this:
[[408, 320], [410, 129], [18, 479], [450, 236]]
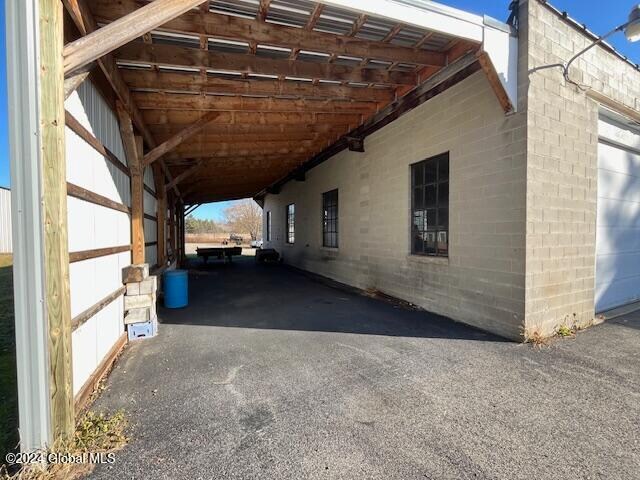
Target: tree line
[[241, 217]]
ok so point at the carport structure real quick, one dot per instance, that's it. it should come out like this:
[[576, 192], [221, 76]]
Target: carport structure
[[234, 95], [221, 100]]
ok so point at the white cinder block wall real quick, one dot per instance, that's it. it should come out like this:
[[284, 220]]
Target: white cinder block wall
[[482, 282], [523, 193], [562, 166]]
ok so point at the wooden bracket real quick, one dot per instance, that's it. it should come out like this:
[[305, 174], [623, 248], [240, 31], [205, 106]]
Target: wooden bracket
[[355, 144]]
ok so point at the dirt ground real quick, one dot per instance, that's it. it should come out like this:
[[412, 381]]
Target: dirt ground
[[190, 248]]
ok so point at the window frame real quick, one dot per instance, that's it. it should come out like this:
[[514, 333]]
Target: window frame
[[329, 220], [268, 225], [290, 224], [440, 206]]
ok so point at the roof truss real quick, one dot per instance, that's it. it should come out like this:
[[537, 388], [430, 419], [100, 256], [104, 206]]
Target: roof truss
[[240, 94]]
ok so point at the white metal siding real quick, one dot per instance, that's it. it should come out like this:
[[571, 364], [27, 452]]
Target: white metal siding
[[93, 226], [5, 221], [150, 226], [618, 218]]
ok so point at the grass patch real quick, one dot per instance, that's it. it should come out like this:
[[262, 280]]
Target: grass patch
[[96, 433], [8, 382], [565, 331]]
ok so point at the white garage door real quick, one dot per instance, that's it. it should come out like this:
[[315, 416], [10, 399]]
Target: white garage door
[[618, 221]]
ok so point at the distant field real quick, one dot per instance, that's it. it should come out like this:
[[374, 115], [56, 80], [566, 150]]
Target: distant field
[[206, 237], [214, 238], [8, 390]]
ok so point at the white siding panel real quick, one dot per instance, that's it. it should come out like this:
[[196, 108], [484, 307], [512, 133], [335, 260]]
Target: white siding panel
[[150, 231], [5, 221], [151, 255], [618, 216], [110, 328], [93, 226], [82, 284], [83, 348], [81, 224], [150, 227], [148, 178], [149, 204]]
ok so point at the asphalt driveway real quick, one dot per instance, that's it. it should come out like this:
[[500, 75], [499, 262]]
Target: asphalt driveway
[[271, 374]]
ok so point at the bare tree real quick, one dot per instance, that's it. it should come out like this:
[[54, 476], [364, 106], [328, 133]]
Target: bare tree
[[245, 216]]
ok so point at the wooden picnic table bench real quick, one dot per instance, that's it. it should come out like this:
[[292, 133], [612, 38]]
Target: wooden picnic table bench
[[221, 253]]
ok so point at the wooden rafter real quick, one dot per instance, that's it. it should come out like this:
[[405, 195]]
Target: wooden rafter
[[176, 56], [267, 124], [184, 175], [263, 10], [185, 117], [311, 23], [235, 28], [219, 131], [387, 39], [176, 140], [74, 81], [425, 38], [195, 83], [85, 22], [437, 83], [265, 137], [249, 148], [151, 100], [392, 33], [125, 29], [494, 81]]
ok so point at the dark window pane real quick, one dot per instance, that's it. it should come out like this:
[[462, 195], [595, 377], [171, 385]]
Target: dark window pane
[[418, 198], [443, 172], [330, 219], [418, 243], [430, 172], [431, 219], [443, 218], [430, 206], [418, 174], [430, 196], [443, 194]]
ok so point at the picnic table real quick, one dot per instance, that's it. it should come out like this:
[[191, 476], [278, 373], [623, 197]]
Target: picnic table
[[221, 253]]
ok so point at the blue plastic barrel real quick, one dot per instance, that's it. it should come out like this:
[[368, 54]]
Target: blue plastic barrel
[[176, 289]]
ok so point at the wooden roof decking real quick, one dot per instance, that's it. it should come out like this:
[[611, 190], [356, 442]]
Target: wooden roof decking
[[287, 78]]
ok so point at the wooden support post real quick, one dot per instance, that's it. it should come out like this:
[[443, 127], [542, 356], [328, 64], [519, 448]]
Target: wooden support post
[[133, 152], [54, 197]]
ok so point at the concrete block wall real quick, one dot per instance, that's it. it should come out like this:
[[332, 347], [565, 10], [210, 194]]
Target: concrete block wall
[[562, 160], [483, 280]]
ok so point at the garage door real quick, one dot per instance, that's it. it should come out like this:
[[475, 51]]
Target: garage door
[[618, 220]]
